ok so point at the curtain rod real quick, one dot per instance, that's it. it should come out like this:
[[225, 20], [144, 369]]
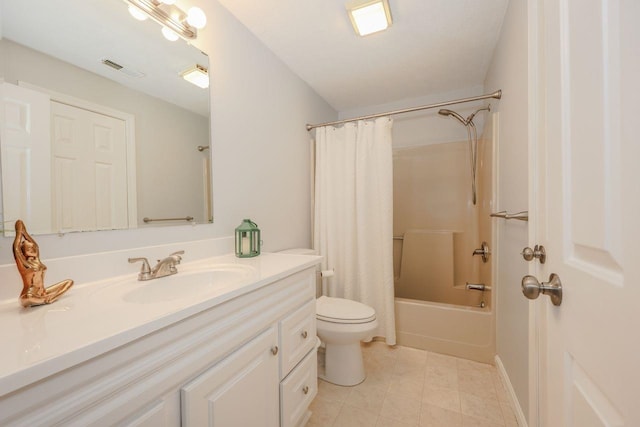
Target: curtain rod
[[497, 95]]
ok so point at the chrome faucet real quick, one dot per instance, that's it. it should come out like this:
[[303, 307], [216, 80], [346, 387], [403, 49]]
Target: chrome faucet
[[164, 267]]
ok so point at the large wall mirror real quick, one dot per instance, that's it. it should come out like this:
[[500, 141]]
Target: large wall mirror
[[98, 129]]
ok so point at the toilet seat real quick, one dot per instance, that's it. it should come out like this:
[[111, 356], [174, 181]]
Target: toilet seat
[[341, 310]]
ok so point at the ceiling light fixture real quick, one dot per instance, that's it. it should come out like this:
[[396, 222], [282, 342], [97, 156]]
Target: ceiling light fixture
[[369, 16], [170, 16], [198, 75]]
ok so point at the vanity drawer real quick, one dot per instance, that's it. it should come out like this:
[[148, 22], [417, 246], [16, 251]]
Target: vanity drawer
[[297, 336], [298, 390]]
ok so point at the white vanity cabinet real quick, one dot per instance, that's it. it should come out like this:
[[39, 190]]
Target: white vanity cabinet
[[249, 361], [239, 391]]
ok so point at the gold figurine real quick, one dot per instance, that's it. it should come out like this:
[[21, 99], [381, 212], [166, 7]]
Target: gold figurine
[[27, 256]]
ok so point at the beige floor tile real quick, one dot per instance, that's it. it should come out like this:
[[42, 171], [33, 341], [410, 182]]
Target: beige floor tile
[[367, 396], [478, 383], [471, 365], [442, 397], [409, 387], [434, 416], [468, 421], [350, 416], [386, 422], [501, 390], [379, 348], [323, 412], [380, 368], [328, 391], [437, 359], [441, 376], [475, 406], [409, 354], [409, 372], [508, 414], [380, 378], [401, 408]]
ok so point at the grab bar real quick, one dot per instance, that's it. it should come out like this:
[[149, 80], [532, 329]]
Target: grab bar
[[187, 218], [522, 216]]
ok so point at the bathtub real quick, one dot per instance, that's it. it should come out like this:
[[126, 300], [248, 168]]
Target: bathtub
[[461, 331]]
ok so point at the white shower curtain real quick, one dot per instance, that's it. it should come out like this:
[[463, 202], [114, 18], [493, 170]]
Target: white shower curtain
[[353, 217]]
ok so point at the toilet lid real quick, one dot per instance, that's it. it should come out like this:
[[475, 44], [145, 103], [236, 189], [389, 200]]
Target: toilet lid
[[341, 310]]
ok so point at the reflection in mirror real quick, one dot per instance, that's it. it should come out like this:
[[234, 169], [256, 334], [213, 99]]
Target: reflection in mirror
[[98, 129]]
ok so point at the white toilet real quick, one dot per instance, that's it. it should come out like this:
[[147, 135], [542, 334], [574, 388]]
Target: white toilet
[[341, 325]]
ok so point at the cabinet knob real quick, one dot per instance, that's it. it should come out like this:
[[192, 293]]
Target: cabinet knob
[[274, 350], [304, 334], [305, 389]]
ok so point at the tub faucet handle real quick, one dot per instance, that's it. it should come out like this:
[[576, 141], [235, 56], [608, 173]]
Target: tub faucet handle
[[483, 251]]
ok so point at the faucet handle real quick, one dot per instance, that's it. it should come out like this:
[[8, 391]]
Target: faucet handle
[[177, 255], [145, 270]]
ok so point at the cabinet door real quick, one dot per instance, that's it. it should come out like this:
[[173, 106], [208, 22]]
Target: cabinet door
[[241, 390]]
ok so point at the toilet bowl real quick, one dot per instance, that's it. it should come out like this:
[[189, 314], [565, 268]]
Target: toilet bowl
[[341, 324]]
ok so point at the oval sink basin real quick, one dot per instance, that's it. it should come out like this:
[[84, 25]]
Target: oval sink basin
[[184, 284]]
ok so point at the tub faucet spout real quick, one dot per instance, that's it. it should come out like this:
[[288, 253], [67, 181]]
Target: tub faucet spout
[[476, 287]]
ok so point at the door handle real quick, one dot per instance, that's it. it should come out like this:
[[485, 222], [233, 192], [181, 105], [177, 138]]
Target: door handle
[[531, 288], [537, 252]]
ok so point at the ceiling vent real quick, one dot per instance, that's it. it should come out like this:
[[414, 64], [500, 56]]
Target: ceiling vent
[[128, 71]]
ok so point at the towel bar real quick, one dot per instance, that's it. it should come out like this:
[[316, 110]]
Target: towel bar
[[522, 216], [187, 218]]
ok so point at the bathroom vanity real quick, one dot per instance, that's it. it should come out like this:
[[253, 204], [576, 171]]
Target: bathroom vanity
[[225, 342]]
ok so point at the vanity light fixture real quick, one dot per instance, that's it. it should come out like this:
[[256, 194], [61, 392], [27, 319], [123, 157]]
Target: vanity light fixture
[[197, 75], [171, 17], [369, 16]]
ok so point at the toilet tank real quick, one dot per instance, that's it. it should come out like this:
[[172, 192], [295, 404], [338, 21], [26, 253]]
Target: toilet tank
[[305, 251]]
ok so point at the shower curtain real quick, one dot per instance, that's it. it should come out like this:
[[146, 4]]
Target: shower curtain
[[353, 215]]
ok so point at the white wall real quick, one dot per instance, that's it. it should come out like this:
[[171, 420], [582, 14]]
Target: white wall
[[259, 145], [508, 71]]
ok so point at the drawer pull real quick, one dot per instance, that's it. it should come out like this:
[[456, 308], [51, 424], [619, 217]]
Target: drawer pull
[[274, 350], [304, 334], [305, 389]]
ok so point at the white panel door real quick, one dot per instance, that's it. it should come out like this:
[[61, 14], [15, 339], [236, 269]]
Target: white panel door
[[26, 158], [90, 169], [588, 211]]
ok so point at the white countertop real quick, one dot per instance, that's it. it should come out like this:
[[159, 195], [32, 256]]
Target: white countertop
[[93, 318]]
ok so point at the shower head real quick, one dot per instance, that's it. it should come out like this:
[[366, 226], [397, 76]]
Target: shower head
[[446, 112], [470, 118]]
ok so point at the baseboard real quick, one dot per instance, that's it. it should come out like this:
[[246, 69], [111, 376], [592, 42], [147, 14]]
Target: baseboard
[[515, 404]]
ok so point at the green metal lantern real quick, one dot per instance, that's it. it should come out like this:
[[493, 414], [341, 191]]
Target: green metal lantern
[[247, 239]]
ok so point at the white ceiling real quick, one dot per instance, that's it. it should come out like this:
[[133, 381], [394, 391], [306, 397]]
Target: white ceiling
[[433, 46]]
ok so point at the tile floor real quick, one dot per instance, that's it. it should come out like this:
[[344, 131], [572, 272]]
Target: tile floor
[[410, 387]]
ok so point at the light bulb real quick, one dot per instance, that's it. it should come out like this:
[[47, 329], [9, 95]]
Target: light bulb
[[169, 34], [137, 13], [196, 17], [168, 1]]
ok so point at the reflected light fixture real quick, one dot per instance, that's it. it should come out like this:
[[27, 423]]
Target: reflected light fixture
[[137, 13], [197, 75], [171, 17], [169, 34], [369, 16]]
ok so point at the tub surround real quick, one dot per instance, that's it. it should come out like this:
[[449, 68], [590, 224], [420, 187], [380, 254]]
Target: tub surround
[[97, 318]]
